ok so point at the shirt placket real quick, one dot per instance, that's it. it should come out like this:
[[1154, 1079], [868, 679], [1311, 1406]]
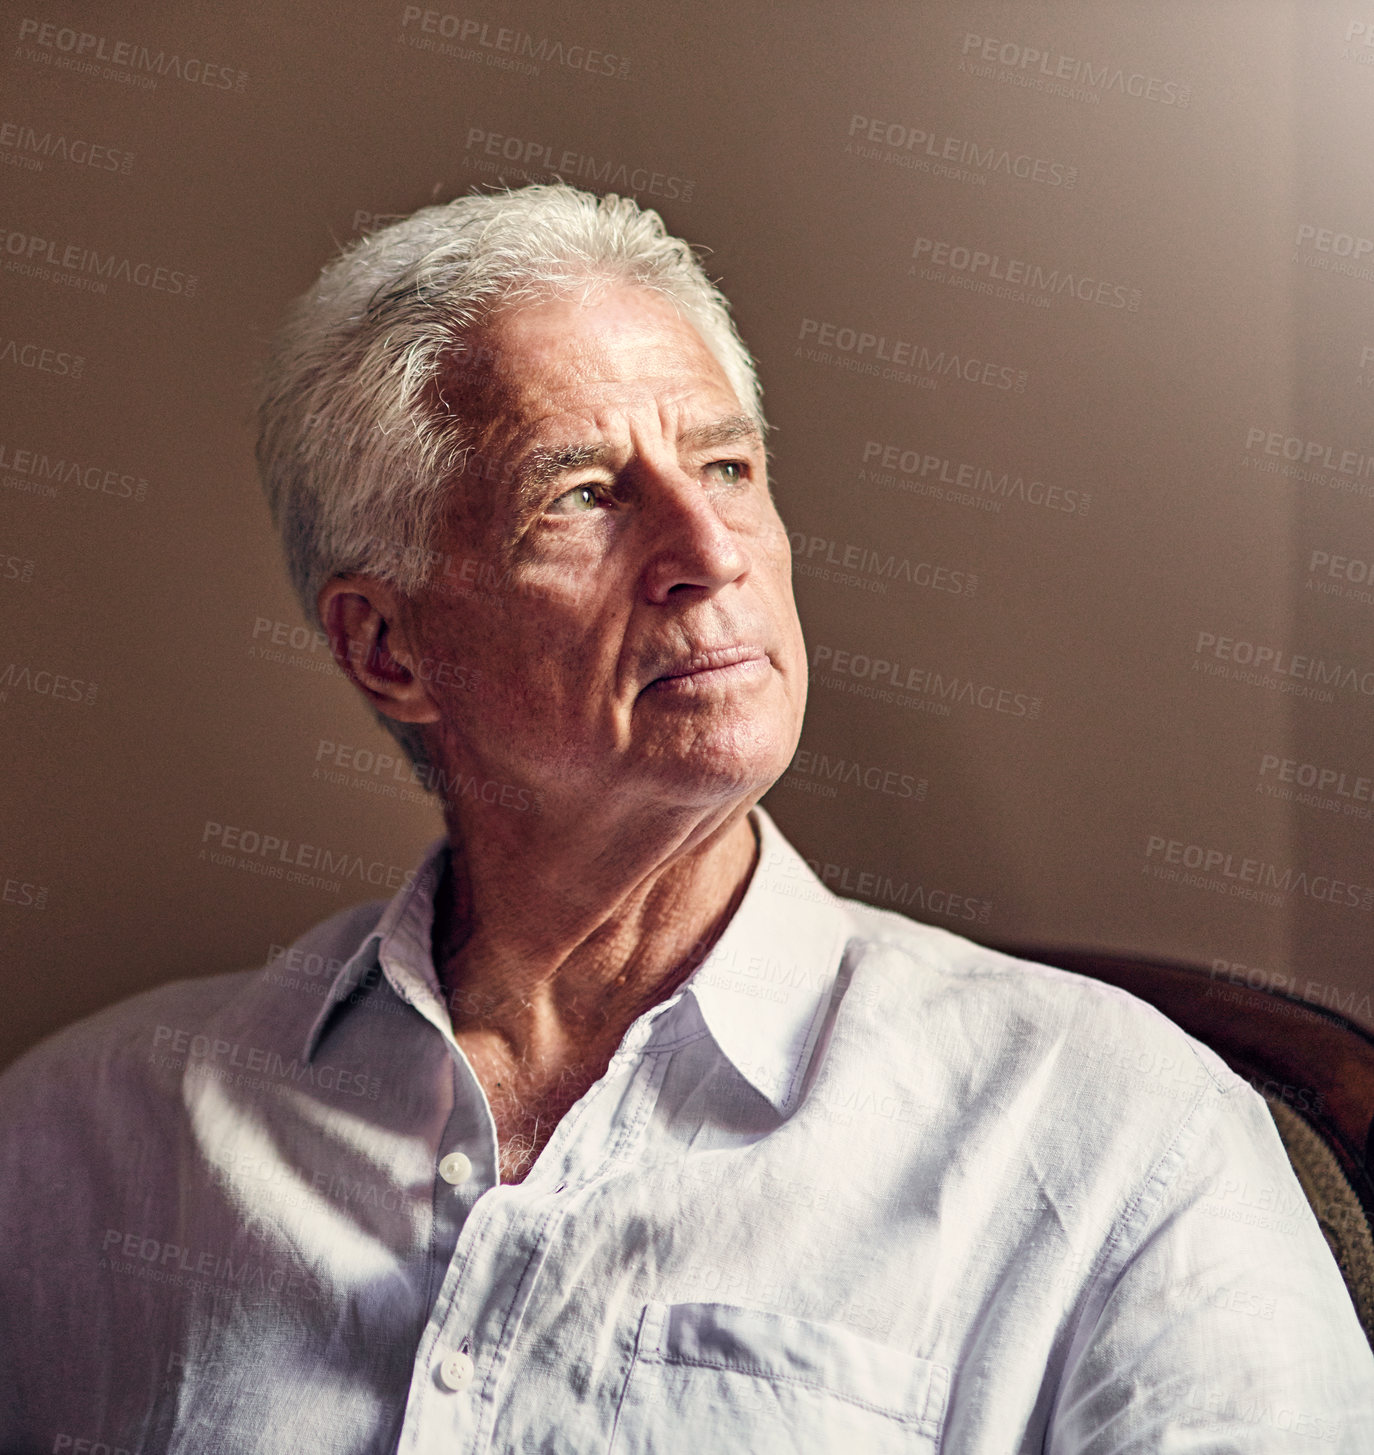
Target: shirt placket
[[465, 1364]]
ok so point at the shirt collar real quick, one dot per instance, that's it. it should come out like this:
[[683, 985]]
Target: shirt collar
[[764, 989], [762, 992], [400, 943]]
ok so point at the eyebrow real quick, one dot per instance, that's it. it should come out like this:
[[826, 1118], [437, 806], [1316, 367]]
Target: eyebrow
[[541, 466], [544, 465], [721, 432]]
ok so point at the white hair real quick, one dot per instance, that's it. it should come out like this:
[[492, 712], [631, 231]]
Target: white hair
[[358, 447]]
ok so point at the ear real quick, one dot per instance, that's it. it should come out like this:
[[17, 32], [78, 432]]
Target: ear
[[370, 634]]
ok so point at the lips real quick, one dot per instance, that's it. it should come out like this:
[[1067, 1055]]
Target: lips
[[704, 664]]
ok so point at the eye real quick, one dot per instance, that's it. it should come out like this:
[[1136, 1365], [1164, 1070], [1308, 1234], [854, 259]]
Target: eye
[[729, 472], [578, 501]]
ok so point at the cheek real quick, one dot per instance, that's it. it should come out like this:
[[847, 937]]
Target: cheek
[[775, 545], [532, 656], [454, 641]]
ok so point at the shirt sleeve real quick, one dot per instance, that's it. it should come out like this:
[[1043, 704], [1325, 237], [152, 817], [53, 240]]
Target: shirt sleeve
[[1220, 1320]]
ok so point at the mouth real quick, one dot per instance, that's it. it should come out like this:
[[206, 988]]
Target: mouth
[[719, 665]]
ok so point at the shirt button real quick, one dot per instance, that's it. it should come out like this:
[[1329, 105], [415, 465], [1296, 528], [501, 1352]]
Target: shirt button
[[455, 1168], [456, 1371]]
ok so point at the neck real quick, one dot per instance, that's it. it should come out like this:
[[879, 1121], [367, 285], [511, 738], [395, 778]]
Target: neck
[[550, 940]]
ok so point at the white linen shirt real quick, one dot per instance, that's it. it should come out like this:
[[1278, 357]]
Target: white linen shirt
[[858, 1186]]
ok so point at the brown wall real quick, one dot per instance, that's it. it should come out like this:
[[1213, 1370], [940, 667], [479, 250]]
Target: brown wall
[[1064, 493]]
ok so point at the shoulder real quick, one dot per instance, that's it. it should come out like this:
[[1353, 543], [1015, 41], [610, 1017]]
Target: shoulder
[[1017, 1022], [1062, 1091], [123, 1060], [963, 1025], [105, 1054]]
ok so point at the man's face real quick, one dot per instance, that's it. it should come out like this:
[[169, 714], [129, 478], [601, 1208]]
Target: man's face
[[616, 577]]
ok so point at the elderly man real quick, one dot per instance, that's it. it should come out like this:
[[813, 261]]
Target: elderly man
[[615, 1130]]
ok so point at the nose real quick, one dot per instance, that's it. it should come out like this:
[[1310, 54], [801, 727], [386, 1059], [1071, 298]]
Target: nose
[[689, 546]]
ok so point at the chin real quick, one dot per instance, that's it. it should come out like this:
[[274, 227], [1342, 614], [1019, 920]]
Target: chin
[[715, 772]]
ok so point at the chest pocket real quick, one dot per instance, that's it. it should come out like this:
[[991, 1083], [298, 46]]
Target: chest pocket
[[709, 1377]]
